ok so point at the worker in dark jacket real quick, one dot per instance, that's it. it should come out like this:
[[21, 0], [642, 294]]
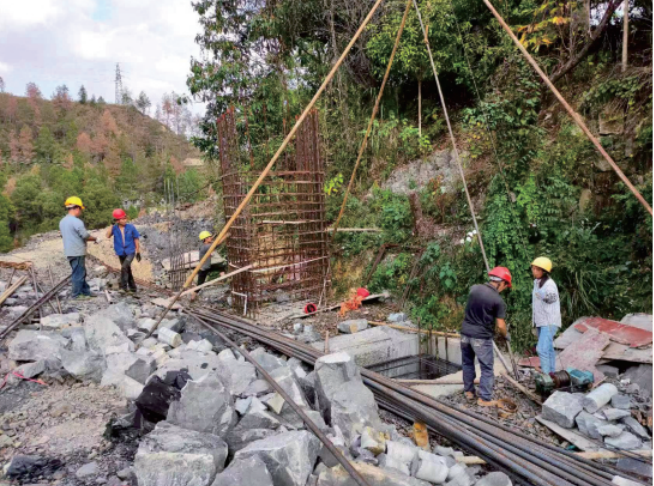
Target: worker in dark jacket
[[485, 309]]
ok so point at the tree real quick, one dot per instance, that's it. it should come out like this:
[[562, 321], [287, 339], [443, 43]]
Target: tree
[[33, 92], [126, 97], [99, 199], [101, 101], [26, 200], [61, 97], [108, 123], [93, 100], [46, 145], [143, 102], [82, 95], [26, 146], [14, 146], [2, 85], [84, 143]]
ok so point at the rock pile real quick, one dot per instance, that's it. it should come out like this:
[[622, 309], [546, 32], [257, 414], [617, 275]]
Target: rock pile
[[604, 414]]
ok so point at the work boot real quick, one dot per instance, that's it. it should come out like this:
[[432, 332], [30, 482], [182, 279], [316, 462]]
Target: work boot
[[470, 396], [486, 403]]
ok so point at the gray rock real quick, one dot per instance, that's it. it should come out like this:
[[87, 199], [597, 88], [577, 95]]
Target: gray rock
[[37, 345], [205, 406], [120, 313], [268, 361], [257, 388], [88, 365], [640, 375], [625, 441], [599, 397], [615, 413], [125, 473], [242, 405], [102, 334], [337, 476], [429, 467], [257, 419], [90, 469], [620, 481], [610, 430], [343, 399], [562, 408], [175, 324], [146, 324], [173, 456], [623, 402], [399, 456], [239, 438], [589, 425], [30, 370], [352, 326], [496, 478], [338, 441], [241, 374], [56, 321], [247, 471], [608, 370], [77, 338], [196, 363], [141, 369], [298, 327], [635, 427], [289, 457], [397, 317], [456, 471]]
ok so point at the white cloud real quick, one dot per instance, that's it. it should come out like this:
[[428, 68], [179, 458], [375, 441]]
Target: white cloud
[[52, 42]]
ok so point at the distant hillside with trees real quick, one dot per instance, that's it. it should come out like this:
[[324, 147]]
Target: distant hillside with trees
[[109, 155]]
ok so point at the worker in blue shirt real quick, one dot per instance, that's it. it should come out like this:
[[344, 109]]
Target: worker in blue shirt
[[126, 246]]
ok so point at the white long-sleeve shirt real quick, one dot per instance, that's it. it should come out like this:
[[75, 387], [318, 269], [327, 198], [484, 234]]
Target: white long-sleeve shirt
[[546, 307]]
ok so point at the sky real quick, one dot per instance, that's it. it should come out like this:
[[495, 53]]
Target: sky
[[79, 42]]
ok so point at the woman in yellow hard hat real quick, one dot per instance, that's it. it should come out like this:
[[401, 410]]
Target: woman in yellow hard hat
[[546, 309]]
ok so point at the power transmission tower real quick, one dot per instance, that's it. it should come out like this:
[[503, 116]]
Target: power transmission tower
[[119, 86]]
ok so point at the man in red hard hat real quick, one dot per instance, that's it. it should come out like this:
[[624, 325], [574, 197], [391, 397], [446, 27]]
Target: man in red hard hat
[[485, 309], [127, 246]]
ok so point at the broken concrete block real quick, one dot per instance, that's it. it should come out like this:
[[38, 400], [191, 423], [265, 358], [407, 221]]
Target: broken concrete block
[[257, 388], [37, 345], [239, 438], [240, 375], [429, 467], [635, 427], [562, 408], [289, 457], [258, 419], [248, 471], [88, 365], [268, 361], [146, 324], [496, 478], [198, 364], [393, 464], [397, 317], [610, 430], [620, 401], [458, 470], [175, 324], [337, 476], [625, 441], [599, 397], [205, 406], [352, 326], [615, 413], [173, 456], [121, 314], [130, 388], [141, 369], [399, 456], [30, 370], [171, 338], [589, 424], [57, 321], [102, 333]]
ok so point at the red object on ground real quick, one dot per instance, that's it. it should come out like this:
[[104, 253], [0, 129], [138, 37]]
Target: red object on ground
[[361, 292], [633, 337], [119, 214], [503, 273], [310, 308]]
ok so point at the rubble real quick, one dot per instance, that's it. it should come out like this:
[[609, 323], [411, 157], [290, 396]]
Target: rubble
[[625, 441], [589, 425], [84, 365], [31, 345], [599, 397], [337, 476], [57, 321], [634, 427], [289, 456], [247, 471], [352, 326], [614, 413], [429, 467], [102, 334], [562, 408], [120, 313], [623, 402], [496, 478], [172, 456]]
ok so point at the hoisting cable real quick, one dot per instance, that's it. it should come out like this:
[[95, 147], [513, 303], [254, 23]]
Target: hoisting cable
[[364, 142], [449, 127], [246, 200], [575, 116]]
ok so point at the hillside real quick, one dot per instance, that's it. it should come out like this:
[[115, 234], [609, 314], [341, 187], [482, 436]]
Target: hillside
[[110, 155]]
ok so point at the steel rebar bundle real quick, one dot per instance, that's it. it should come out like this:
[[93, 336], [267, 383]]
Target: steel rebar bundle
[[524, 458]]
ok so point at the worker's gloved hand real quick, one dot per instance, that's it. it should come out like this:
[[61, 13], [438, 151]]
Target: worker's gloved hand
[[138, 257]]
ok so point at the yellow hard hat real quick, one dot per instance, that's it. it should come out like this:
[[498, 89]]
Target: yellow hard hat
[[204, 235], [74, 201], [542, 262]]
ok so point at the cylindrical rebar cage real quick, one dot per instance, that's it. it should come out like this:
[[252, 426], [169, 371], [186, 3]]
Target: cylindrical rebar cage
[[282, 231]]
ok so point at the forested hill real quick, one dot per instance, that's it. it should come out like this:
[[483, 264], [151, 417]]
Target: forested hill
[[109, 155]]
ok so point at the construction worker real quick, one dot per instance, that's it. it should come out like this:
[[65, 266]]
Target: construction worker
[[127, 246], [546, 309], [485, 309], [206, 238], [75, 237]]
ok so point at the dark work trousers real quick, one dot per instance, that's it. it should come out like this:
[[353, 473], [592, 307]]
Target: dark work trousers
[[202, 276], [126, 277], [78, 265], [483, 350]]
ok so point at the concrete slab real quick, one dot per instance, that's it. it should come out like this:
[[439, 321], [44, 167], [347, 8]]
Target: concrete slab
[[450, 350], [374, 346]]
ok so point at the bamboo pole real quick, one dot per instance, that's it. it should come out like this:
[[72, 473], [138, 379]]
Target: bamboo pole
[[414, 329], [375, 109], [575, 116], [7, 293], [216, 280], [223, 233], [625, 35]]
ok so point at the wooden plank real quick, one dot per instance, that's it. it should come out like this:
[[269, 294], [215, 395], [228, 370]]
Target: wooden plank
[[585, 353], [571, 436], [7, 293]]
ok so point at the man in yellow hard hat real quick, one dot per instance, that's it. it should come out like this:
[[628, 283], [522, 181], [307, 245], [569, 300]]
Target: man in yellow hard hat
[[75, 237], [206, 238]]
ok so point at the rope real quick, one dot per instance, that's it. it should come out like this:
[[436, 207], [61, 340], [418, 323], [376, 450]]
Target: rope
[[449, 127], [364, 142]]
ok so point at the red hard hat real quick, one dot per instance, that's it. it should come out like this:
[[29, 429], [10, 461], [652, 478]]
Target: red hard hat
[[119, 214], [501, 272], [310, 308], [363, 293]]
